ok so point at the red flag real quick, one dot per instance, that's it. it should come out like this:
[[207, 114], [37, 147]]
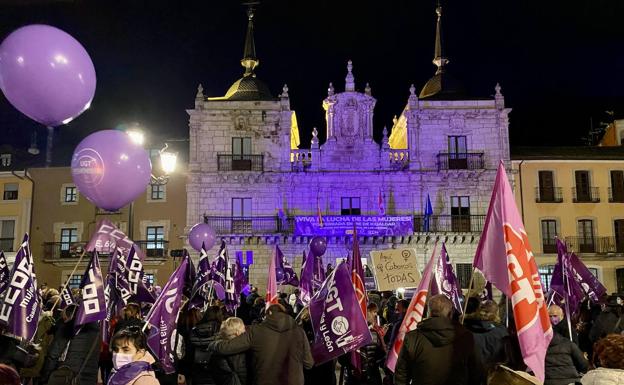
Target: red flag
[[504, 256], [271, 293], [318, 212], [414, 313]]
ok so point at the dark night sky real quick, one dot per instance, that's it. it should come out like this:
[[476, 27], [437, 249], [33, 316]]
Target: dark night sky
[[558, 62]]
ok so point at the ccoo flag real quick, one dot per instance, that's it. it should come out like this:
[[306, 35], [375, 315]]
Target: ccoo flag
[[22, 304], [163, 317], [5, 273], [92, 307], [414, 313], [504, 256], [445, 281], [339, 325], [67, 298]]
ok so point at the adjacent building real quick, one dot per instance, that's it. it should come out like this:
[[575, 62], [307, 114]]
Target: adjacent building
[[248, 179], [575, 194], [64, 221]]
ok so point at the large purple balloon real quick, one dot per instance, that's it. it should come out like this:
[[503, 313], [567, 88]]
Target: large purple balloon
[[46, 74], [202, 233], [318, 246], [110, 169]]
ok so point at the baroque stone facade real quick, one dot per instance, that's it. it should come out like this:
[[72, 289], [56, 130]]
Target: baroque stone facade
[[247, 180]]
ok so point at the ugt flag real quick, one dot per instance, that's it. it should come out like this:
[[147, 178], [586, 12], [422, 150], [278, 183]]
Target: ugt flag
[[4, 273], [163, 317], [339, 325], [414, 313], [504, 256], [445, 281], [92, 307], [22, 304]]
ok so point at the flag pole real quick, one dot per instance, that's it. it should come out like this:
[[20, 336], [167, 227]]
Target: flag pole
[[566, 279], [463, 315], [68, 279]]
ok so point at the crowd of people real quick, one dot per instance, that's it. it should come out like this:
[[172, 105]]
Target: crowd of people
[[262, 345]]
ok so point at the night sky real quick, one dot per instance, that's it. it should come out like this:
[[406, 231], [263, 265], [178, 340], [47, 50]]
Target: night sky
[[559, 62]]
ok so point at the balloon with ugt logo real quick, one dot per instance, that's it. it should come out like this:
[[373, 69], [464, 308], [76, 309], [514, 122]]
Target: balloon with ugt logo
[[110, 170]]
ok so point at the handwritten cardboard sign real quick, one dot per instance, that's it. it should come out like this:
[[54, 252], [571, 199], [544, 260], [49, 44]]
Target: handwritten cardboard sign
[[395, 268]]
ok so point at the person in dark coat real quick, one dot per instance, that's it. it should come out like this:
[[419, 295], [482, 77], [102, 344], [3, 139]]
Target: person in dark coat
[[606, 322], [439, 351], [232, 369], [560, 323], [565, 362], [489, 335], [280, 349], [131, 317], [201, 336], [80, 345], [324, 373]]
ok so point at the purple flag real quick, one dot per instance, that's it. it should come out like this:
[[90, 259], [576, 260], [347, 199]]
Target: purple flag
[[200, 292], [284, 272], [218, 270], [163, 317], [306, 286], [585, 279], [339, 326], [108, 237], [319, 272], [444, 279], [93, 305], [232, 297], [67, 298], [22, 304], [486, 294], [5, 273], [138, 286]]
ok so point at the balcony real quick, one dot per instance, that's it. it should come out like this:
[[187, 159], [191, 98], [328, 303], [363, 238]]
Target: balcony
[[6, 244], [595, 245], [460, 161], [586, 195], [616, 195], [60, 250], [449, 223], [230, 162], [275, 224], [548, 195]]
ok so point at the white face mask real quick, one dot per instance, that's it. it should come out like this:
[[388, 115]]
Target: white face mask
[[121, 359]]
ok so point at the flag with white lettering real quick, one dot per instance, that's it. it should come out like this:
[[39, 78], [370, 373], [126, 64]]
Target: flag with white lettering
[[200, 292], [338, 322], [5, 273], [21, 305], [92, 306], [67, 298], [107, 238], [162, 318], [284, 271], [138, 286], [414, 313], [505, 257], [218, 270], [445, 281]]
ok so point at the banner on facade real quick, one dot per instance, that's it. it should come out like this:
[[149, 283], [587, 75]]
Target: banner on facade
[[367, 225], [395, 268]]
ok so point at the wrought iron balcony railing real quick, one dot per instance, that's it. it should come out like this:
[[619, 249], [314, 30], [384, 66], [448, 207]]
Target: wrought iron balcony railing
[[616, 195], [460, 161], [6, 244], [586, 195], [275, 224], [449, 223], [60, 250], [595, 245], [230, 162], [548, 195]]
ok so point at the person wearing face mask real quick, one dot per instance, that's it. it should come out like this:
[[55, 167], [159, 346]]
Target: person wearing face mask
[[565, 363], [131, 361]]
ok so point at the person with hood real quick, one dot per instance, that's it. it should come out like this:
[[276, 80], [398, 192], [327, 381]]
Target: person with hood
[[439, 351], [609, 352], [489, 335], [279, 347], [131, 360]]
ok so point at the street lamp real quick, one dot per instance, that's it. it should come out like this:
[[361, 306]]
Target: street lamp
[[168, 162]]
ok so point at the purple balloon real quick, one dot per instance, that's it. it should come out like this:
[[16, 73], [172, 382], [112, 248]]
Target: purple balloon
[[110, 169], [46, 74], [202, 233], [318, 246]]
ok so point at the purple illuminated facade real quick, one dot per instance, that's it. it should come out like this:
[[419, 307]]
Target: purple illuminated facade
[[249, 180]]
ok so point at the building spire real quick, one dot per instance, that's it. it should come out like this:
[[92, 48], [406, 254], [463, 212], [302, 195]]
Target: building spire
[[350, 79], [438, 58], [249, 60]]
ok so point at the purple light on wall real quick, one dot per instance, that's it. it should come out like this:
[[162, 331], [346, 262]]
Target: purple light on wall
[[249, 257]]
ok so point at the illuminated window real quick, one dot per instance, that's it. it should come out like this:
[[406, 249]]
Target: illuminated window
[[350, 206], [71, 194]]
